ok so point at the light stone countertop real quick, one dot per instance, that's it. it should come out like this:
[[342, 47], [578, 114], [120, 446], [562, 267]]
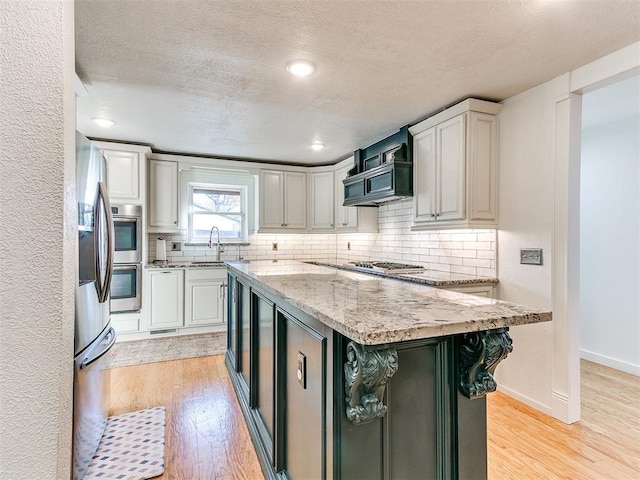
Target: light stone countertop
[[374, 310], [434, 278], [187, 265]]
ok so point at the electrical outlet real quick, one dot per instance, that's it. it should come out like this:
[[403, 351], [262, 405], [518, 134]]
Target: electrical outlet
[[301, 373], [176, 246], [274, 246], [348, 245], [531, 256]]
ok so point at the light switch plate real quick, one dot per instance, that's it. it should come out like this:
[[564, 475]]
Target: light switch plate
[[531, 256], [176, 246]]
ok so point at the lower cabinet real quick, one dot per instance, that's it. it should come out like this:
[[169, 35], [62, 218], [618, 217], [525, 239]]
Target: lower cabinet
[[278, 366], [310, 398], [204, 297], [263, 382], [166, 299], [481, 290], [303, 394], [177, 301]]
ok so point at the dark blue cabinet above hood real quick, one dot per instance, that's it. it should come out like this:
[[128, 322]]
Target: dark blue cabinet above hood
[[382, 172]]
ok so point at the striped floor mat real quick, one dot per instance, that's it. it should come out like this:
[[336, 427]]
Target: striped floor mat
[[132, 447]]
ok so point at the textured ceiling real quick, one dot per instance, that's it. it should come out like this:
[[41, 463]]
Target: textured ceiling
[[208, 77]]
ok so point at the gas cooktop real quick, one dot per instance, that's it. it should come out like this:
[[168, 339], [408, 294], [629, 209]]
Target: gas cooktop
[[387, 267]]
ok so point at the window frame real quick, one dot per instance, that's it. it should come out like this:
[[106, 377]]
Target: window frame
[[229, 187]]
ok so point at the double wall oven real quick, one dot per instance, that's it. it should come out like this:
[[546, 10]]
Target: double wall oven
[[126, 284]]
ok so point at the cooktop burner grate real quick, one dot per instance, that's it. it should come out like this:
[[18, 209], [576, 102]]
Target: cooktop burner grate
[[387, 267]]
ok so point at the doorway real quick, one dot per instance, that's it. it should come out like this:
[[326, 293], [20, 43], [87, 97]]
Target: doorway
[[610, 226]]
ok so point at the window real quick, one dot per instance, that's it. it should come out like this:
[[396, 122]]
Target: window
[[220, 206]]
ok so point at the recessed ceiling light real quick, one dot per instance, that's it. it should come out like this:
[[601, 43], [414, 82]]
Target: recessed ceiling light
[[300, 68], [317, 146], [103, 122]]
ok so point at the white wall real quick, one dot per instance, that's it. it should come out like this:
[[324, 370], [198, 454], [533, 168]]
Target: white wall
[[538, 207], [526, 172], [37, 238], [610, 238]]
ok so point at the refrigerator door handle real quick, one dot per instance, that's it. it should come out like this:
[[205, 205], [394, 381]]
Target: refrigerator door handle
[[88, 360], [103, 284]]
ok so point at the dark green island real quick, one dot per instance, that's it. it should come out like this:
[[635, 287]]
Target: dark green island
[[344, 375]]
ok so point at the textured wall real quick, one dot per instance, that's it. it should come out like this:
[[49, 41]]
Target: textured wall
[[36, 238]]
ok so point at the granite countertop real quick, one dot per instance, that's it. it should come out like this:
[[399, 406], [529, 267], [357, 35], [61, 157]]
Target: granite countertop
[[188, 265], [374, 310], [434, 278]]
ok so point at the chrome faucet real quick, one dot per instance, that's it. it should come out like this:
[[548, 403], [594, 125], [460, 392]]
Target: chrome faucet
[[218, 249]]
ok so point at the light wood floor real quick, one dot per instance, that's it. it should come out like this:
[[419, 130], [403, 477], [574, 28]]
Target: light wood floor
[[207, 438]]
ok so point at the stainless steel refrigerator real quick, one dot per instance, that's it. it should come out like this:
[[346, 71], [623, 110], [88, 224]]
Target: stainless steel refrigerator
[[94, 335]]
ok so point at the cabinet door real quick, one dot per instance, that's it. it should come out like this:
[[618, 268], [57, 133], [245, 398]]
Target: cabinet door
[[482, 165], [272, 199], [243, 293], [163, 195], [232, 322], [450, 166], [123, 175], [167, 299], [263, 392], [322, 200], [295, 200], [304, 403], [204, 302], [424, 177], [346, 217]]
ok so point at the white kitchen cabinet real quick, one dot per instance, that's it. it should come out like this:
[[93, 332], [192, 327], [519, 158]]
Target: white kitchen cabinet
[[166, 298], [205, 296], [481, 290], [126, 166], [283, 200], [455, 165], [163, 196], [322, 200]]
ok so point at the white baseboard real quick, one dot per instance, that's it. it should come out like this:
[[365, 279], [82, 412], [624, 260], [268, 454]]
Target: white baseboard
[[611, 362], [524, 399]]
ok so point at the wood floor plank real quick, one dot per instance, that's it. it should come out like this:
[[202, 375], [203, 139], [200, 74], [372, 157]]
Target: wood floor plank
[[207, 438]]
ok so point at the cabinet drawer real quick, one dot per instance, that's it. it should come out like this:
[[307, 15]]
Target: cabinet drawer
[[207, 274], [125, 323]]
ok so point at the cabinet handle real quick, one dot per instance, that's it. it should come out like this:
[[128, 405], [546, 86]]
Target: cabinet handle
[[437, 215], [344, 224], [331, 225]]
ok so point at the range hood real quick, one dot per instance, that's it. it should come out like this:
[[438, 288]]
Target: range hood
[[382, 172]]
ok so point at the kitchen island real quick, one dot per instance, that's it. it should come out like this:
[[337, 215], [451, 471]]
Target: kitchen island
[[344, 375]]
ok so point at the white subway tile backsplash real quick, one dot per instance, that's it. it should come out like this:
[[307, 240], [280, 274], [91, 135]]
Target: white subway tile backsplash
[[460, 251]]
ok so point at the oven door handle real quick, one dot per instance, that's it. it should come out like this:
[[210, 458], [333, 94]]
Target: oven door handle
[[88, 360]]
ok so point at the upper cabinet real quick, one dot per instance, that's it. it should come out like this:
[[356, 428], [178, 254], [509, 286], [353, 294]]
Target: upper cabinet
[[283, 200], [455, 166], [163, 196], [322, 200], [126, 166], [327, 213]]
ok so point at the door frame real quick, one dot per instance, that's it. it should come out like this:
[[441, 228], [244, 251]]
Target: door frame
[[620, 65]]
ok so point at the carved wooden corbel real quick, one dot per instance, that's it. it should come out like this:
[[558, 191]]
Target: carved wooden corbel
[[478, 355], [367, 373]]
